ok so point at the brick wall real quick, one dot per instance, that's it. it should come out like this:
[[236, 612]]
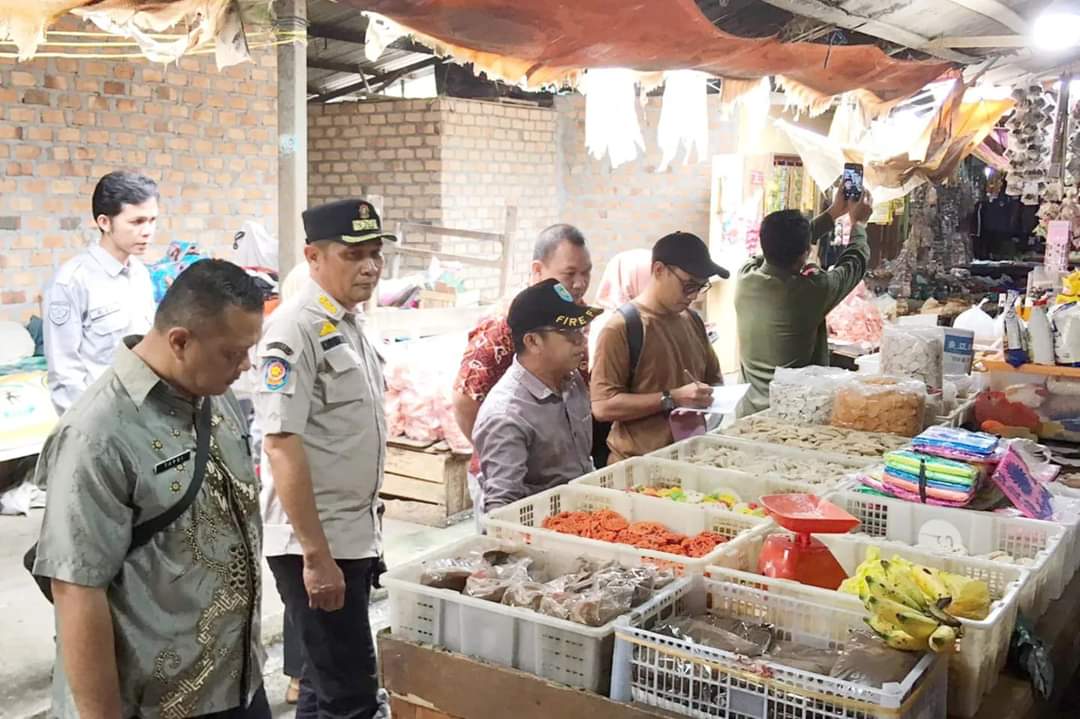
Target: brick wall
[[449, 162], [208, 137], [496, 156], [632, 206]]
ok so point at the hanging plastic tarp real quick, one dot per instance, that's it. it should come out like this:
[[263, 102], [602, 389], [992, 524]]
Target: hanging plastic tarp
[[202, 23], [537, 43], [684, 117], [611, 118], [903, 151]]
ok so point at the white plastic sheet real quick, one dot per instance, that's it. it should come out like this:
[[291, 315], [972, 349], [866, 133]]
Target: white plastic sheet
[[611, 115], [684, 117]]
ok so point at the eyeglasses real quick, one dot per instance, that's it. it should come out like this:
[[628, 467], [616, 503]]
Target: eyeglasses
[[575, 335], [690, 287]]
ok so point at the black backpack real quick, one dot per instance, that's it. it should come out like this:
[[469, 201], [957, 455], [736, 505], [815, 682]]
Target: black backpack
[[635, 338], [143, 533]]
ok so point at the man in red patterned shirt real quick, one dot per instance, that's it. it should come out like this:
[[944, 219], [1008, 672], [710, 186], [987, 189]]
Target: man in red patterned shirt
[[560, 253]]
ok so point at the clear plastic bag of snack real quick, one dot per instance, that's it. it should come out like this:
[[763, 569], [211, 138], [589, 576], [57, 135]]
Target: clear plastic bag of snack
[[596, 607], [451, 573], [805, 395], [803, 657], [866, 660], [729, 635], [525, 594], [881, 404], [914, 352], [491, 582]]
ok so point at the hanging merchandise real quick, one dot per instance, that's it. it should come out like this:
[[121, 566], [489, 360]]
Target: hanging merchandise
[[1072, 166], [1029, 143], [611, 115], [684, 117]]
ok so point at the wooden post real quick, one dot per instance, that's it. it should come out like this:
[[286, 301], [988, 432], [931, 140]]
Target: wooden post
[[292, 135]]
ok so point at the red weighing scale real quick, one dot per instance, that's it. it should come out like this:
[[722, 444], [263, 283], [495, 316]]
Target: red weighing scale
[[798, 556]]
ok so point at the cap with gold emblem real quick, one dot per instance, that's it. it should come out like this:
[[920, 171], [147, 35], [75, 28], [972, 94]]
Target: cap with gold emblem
[[348, 221]]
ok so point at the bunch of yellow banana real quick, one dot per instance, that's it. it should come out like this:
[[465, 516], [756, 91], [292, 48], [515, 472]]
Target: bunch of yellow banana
[[915, 608]]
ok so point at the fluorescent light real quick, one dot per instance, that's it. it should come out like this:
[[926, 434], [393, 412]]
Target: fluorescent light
[[1058, 28]]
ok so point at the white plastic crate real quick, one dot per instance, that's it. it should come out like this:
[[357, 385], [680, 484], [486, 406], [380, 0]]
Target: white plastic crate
[[755, 452], [555, 649], [943, 530], [1066, 504], [696, 681], [662, 473], [523, 521], [981, 653]]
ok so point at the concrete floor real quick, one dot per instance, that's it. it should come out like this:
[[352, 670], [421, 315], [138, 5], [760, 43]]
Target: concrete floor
[[26, 619]]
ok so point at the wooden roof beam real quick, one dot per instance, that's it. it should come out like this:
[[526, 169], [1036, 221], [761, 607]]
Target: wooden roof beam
[[819, 10]]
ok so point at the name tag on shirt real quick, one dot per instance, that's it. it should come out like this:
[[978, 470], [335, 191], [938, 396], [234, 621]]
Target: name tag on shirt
[[104, 311], [172, 462]]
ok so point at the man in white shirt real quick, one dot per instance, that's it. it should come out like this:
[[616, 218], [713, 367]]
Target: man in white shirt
[[104, 294]]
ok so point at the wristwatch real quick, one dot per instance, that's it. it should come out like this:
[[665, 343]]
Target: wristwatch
[[666, 402]]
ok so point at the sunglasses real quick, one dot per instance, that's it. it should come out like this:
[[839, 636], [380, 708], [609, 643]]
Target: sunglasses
[[690, 286]]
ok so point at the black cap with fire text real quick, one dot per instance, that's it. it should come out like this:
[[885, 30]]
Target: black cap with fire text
[[548, 304]]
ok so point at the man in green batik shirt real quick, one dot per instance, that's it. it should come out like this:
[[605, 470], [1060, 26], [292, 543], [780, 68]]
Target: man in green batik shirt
[[169, 629], [781, 303]]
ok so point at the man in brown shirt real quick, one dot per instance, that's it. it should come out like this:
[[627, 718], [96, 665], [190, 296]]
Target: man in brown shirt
[[676, 366]]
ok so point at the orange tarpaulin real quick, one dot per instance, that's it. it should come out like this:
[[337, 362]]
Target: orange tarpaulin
[[549, 41]]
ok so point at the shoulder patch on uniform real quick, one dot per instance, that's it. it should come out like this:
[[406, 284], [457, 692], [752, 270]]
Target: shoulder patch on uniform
[[327, 328], [332, 342], [276, 373], [280, 347], [59, 312], [327, 304]]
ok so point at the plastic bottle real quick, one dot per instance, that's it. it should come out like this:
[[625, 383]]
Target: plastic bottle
[[1040, 335], [1015, 349]]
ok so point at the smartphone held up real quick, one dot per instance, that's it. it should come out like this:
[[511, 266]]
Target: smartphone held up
[[852, 181]]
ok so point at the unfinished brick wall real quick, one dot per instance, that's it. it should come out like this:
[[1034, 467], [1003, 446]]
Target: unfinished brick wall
[[208, 137], [496, 156], [449, 162], [632, 206]]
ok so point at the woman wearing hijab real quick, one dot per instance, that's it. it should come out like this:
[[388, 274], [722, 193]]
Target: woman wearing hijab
[[625, 277]]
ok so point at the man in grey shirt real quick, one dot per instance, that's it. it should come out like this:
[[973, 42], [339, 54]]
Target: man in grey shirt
[[168, 629], [534, 431]]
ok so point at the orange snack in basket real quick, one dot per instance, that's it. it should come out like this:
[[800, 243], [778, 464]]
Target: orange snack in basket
[[609, 526]]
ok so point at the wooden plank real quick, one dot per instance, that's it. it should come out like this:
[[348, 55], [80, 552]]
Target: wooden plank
[[465, 688], [428, 466], [394, 485], [432, 515], [450, 232], [1045, 370]]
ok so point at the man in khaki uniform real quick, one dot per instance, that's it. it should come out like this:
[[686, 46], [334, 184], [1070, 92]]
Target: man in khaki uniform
[[167, 628], [320, 405]]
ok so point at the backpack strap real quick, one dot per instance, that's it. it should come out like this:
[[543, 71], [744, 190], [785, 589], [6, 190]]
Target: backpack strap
[[144, 532], [635, 336]]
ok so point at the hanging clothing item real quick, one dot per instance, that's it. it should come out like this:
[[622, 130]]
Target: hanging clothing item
[[611, 120], [684, 118]]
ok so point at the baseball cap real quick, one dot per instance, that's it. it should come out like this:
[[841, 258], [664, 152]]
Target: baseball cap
[[348, 221], [688, 253], [548, 304]]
